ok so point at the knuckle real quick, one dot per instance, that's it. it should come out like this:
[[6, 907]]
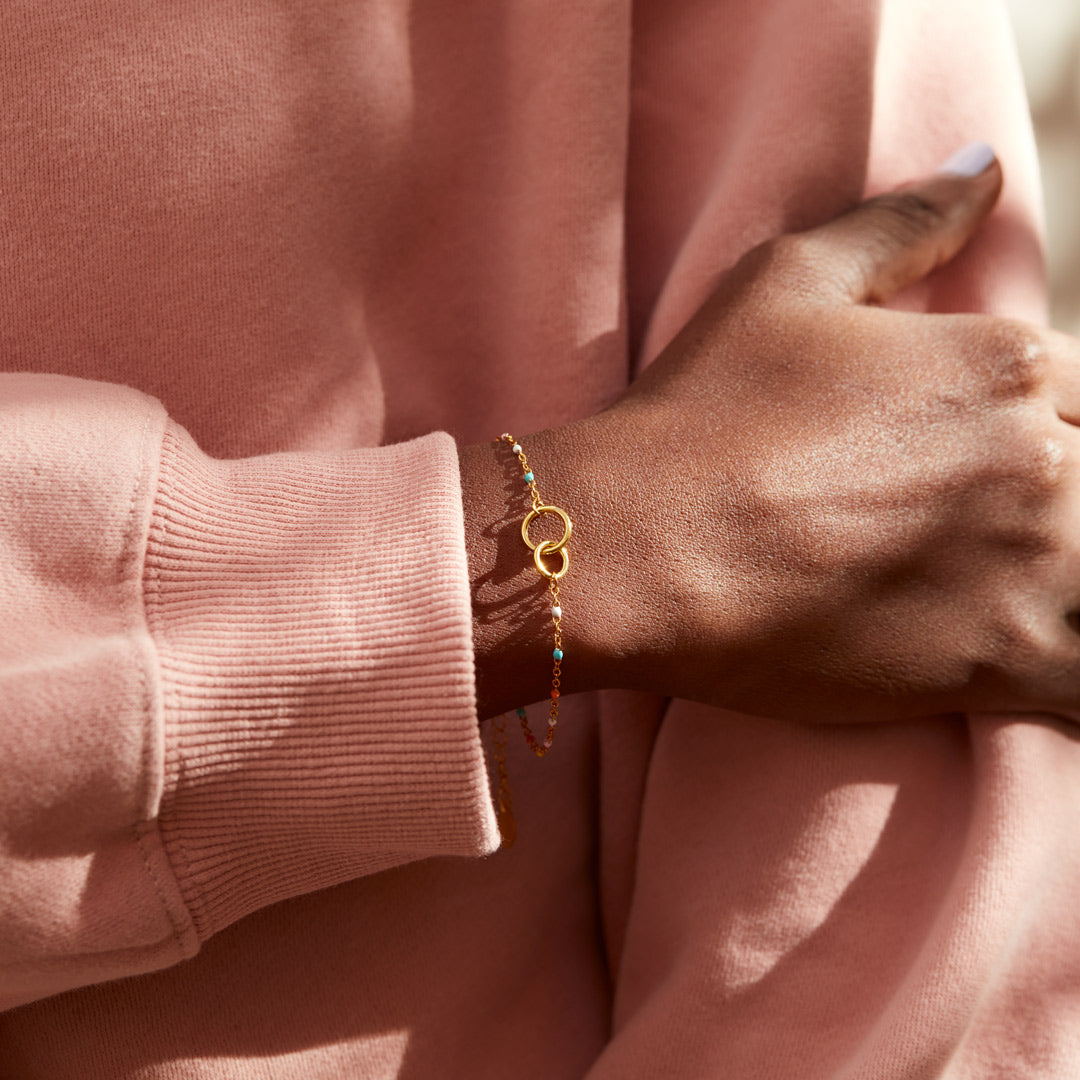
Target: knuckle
[[1048, 471], [1018, 357], [785, 255], [1034, 664], [1026, 485], [756, 263], [1017, 637], [791, 249], [785, 262]]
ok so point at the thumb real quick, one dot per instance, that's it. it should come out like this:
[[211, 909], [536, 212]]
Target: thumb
[[896, 239]]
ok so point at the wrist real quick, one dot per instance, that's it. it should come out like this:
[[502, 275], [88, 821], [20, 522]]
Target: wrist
[[512, 636]]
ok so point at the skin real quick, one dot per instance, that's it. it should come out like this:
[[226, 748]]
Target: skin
[[850, 513]]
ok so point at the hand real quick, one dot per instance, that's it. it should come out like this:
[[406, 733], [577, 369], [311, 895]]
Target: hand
[[860, 513], [811, 507]]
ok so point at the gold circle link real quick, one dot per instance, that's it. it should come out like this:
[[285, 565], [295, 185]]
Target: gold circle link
[[546, 547], [533, 514]]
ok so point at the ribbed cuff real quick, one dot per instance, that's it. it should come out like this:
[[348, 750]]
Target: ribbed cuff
[[313, 623]]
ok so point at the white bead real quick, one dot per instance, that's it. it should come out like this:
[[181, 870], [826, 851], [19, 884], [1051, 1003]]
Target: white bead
[[505, 435], [556, 612], [517, 448]]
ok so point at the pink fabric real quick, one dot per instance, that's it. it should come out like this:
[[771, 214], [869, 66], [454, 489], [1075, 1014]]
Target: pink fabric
[[260, 267]]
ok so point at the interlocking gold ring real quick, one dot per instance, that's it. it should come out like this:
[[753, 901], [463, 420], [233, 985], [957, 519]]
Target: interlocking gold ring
[[547, 547], [553, 547]]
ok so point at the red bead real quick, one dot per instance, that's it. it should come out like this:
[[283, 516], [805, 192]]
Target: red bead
[[554, 693]]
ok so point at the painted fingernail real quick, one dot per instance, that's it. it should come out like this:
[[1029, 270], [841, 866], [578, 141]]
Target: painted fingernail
[[970, 160]]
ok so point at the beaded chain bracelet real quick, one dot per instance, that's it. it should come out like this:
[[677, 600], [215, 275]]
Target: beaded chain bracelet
[[542, 550]]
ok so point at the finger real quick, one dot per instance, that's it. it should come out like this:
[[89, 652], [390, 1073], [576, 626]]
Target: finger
[[896, 239]]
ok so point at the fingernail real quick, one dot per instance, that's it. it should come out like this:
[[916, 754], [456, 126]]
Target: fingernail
[[970, 160]]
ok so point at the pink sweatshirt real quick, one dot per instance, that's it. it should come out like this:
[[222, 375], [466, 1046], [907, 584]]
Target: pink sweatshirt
[[260, 266]]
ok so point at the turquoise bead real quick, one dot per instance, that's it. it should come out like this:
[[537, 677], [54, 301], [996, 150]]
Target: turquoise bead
[[557, 654], [521, 712], [528, 478]]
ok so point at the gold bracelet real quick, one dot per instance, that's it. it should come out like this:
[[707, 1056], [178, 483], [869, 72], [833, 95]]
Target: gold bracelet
[[541, 551]]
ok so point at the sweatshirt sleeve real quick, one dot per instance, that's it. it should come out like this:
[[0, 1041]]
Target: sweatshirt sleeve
[[222, 682]]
